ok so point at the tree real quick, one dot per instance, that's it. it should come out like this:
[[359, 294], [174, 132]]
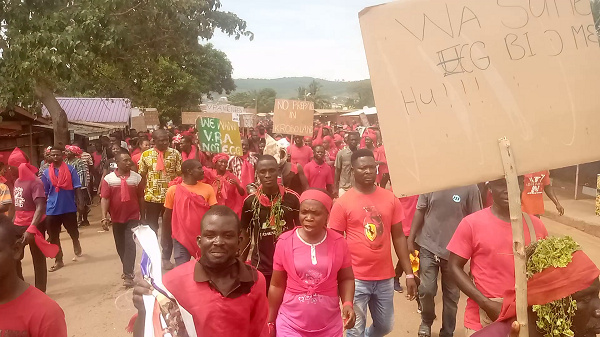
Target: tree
[[263, 99], [313, 93], [148, 51], [362, 95]]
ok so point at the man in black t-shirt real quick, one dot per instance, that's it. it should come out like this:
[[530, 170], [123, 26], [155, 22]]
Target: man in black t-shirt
[[268, 212]]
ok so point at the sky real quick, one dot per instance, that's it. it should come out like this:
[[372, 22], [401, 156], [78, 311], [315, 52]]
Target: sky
[[316, 38]]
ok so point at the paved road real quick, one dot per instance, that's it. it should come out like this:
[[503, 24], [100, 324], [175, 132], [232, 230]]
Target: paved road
[[96, 304]]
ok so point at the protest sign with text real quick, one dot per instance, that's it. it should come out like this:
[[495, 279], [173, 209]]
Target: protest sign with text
[[218, 135], [451, 78], [293, 117], [223, 108]]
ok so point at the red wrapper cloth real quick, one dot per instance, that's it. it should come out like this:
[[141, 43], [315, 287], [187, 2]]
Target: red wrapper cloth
[[124, 189], [48, 249], [553, 284], [64, 179], [247, 176], [226, 192], [160, 160], [191, 155], [185, 223]]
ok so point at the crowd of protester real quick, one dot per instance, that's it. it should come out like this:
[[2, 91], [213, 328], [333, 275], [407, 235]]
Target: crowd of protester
[[292, 238]]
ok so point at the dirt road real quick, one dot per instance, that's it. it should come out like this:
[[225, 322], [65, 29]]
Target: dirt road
[[96, 305]]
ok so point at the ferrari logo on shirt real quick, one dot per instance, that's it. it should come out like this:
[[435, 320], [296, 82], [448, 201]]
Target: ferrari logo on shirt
[[373, 227], [371, 231]]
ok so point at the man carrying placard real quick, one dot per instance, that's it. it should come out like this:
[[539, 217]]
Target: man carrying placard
[[485, 238]]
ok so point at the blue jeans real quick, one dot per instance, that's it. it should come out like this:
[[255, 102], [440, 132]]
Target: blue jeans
[[429, 267], [379, 296], [180, 253]]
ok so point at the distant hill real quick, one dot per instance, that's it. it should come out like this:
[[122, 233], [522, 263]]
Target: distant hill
[[287, 87]]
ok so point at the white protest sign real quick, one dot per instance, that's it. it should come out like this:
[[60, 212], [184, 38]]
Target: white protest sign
[[218, 108], [451, 78]]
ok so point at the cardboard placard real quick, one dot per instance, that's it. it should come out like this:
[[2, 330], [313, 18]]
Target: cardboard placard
[[223, 108], [247, 121], [363, 119], [451, 78], [293, 117], [139, 123], [151, 118], [189, 118], [219, 135]]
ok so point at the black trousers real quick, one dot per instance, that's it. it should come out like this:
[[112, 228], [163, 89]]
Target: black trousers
[[154, 211], [125, 245], [38, 258], [53, 224]]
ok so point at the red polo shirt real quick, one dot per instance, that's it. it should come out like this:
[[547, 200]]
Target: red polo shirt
[[318, 176], [241, 313]]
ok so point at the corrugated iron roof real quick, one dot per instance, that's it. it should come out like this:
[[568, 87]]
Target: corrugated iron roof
[[86, 128], [97, 110]]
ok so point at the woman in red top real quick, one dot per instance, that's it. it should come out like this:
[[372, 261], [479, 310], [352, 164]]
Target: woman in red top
[[227, 186], [312, 271]]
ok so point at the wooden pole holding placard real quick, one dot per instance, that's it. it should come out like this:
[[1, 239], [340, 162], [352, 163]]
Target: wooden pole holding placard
[[516, 220]]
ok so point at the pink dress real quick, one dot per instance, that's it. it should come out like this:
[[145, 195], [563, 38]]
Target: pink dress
[[311, 305]]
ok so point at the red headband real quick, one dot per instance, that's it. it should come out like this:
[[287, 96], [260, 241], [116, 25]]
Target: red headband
[[219, 156], [319, 196]]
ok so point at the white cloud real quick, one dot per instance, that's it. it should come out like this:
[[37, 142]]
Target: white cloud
[[308, 38]]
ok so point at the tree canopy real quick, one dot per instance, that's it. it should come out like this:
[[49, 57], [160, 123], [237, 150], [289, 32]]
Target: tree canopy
[[314, 94], [148, 51], [248, 99], [362, 95]]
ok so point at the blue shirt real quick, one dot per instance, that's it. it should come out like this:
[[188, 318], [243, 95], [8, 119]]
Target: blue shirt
[[63, 201]]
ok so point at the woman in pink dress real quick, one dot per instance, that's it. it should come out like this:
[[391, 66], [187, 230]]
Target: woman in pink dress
[[311, 267]]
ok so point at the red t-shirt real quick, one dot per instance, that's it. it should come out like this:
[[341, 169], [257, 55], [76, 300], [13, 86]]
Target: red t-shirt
[[367, 220], [300, 155], [487, 241], [215, 315], [122, 212], [532, 199], [24, 194], [409, 206], [33, 314], [319, 176]]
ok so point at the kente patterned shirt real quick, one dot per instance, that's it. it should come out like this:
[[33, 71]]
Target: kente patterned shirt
[[157, 182]]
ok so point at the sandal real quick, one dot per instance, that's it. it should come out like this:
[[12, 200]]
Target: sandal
[[56, 267], [424, 331]]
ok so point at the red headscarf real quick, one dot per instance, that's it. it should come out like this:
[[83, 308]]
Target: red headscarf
[[554, 284], [18, 159], [74, 150], [219, 156], [64, 179], [371, 134]]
